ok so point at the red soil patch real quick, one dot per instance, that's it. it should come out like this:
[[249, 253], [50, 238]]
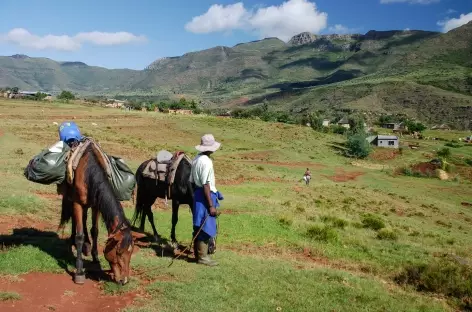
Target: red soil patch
[[343, 176], [8, 223], [425, 168], [241, 180], [384, 154], [466, 204], [57, 292], [287, 164]]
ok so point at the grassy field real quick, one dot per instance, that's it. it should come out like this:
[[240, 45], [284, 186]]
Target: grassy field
[[336, 245]]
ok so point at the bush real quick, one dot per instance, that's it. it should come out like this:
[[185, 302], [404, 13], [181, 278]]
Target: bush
[[322, 233], [66, 95], [386, 234], [335, 221], [469, 162], [339, 130], [373, 222], [453, 145], [357, 146], [444, 152], [447, 277]]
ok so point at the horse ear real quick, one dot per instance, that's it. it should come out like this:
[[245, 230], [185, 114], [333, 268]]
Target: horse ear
[[137, 235]]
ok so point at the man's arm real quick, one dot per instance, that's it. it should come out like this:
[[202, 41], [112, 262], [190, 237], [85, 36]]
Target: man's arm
[[207, 192]]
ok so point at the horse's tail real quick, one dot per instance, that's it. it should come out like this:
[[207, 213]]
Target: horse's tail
[[66, 211], [139, 212]]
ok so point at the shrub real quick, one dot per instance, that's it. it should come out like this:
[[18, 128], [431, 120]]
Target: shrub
[[386, 234], [469, 162], [322, 233], [453, 145], [447, 276], [444, 152], [335, 221], [339, 129], [373, 222], [357, 146]]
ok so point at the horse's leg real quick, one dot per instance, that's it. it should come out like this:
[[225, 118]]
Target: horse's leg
[[79, 277], [87, 244], [175, 219], [94, 232], [150, 216]]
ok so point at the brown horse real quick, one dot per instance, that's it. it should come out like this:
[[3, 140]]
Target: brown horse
[[91, 188]]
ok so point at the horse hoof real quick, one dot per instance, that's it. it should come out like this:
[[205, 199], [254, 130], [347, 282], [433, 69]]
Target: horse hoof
[[79, 279]]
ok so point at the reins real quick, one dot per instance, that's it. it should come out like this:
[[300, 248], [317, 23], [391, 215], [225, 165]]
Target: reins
[[191, 243]]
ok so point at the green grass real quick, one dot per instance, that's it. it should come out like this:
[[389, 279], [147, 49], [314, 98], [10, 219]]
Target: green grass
[[7, 295], [328, 246]]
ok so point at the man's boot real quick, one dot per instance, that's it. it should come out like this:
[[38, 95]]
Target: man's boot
[[203, 257]]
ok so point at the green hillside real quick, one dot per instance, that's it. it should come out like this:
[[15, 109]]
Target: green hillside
[[425, 74]]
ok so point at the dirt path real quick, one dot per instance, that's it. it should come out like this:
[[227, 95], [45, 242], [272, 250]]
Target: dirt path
[[343, 176], [57, 292]]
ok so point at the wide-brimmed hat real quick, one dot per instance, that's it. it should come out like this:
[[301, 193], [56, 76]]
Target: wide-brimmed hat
[[208, 144]]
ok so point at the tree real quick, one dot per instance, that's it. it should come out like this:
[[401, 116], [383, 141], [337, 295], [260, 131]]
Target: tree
[[357, 146], [356, 124], [316, 122], [39, 96], [66, 95], [415, 126], [14, 90]]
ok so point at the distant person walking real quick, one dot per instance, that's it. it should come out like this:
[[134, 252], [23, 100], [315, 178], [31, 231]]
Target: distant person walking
[[307, 176], [206, 198]]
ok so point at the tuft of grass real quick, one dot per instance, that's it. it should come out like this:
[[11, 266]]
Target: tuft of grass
[[7, 295], [322, 233], [387, 234], [373, 222], [300, 208], [335, 221]]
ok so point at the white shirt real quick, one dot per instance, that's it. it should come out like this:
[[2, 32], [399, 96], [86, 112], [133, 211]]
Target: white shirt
[[202, 172]]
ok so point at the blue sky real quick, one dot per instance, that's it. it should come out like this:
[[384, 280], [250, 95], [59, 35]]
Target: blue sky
[[119, 34]]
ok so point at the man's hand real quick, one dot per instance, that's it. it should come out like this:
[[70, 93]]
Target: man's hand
[[213, 212]]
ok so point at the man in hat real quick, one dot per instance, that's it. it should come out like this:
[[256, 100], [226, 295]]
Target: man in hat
[[205, 199]]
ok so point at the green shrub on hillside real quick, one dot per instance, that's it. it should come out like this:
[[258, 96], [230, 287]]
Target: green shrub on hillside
[[373, 222], [386, 234], [322, 233], [357, 146]]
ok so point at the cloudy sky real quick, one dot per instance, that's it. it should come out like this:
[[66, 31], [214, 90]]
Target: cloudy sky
[[123, 34]]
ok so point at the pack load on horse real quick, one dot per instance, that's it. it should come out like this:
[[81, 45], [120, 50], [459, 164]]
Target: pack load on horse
[[90, 179], [50, 165], [166, 176]]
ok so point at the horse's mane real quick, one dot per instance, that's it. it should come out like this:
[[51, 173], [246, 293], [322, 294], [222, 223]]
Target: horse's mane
[[101, 196]]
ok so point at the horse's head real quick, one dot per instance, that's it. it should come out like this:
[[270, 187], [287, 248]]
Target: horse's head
[[118, 250]]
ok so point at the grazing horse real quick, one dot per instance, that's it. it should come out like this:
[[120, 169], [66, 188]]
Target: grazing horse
[[91, 188], [149, 190]]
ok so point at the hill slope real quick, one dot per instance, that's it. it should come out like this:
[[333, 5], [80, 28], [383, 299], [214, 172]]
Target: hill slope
[[430, 73]]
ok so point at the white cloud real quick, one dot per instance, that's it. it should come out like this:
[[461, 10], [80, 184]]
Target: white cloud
[[409, 1], [290, 18], [450, 11], [219, 18], [23, 38], [341, 30], [452, 23]]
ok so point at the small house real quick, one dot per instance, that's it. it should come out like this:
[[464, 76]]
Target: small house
[[395, 126], [326, 122], [390, 141], [344, 122]]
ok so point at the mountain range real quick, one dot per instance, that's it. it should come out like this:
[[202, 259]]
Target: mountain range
[[424, 74]]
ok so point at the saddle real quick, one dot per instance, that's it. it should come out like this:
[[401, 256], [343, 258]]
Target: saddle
[[163, 168]]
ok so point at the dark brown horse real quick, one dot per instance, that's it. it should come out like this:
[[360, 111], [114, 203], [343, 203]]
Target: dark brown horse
[[149, 190], [91, 188]]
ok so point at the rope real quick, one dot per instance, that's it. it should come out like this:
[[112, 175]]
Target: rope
[[191, 243]]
